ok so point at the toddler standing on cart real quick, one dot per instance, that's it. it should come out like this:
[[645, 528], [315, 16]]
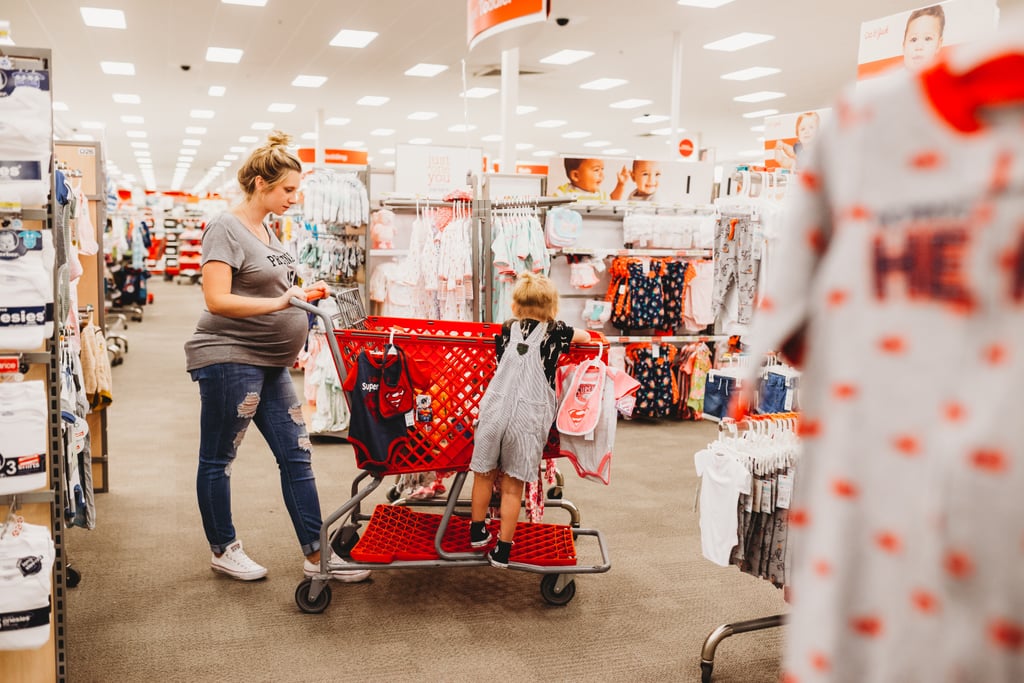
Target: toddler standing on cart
[[518, 409]]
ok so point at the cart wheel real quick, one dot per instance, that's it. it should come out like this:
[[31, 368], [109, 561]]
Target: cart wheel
[[312, 606], [393, 494], [705, 671], [72, 576], [555, 492], [344, 541], [551, 595], [167, 277]]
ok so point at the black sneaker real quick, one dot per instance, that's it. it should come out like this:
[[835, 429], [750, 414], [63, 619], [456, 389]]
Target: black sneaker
[[498, 557], [479, 536]]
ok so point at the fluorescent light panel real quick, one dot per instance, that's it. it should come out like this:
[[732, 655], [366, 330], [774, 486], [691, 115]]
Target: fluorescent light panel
[[103, 18], [616, 150], [479, 93], [118, 68], [372, 100], [195, 130], [422, 115], [544, 153], [248, 139], [739, 41], [216, 91], [137, 120], [335, 121], [566, 57], [382, 132], [629, 104], [304, 81], [604, 84], [525, 109], [202, 113], [281, 107], [125, 98], [760, 96], [576, 135], [597, 143], [751, 73], [760, 113], [424, 70], [224, 55], [350, 38], [461, 128], [551, 123], [135, 133], [188, 142], [262, 125]]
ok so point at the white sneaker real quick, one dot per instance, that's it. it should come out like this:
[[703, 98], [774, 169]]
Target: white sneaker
[[343, 575], [234, 562]]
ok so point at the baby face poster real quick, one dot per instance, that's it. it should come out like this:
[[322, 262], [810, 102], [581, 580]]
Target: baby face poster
[[631, 180], [787, 136]]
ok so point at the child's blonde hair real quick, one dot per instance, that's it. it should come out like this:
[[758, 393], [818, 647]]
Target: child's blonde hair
[[535, 296]]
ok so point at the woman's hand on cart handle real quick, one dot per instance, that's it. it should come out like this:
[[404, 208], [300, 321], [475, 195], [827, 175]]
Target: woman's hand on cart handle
[[294, 292], [317, 290]]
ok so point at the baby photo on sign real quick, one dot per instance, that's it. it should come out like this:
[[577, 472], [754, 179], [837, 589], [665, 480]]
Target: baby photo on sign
[[599, 178]]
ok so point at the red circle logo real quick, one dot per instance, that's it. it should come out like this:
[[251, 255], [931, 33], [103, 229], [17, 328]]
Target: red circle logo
[[686, 147]]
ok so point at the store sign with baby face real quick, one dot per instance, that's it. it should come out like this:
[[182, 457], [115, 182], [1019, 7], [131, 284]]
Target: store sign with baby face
[[632, 180], [914, 40]]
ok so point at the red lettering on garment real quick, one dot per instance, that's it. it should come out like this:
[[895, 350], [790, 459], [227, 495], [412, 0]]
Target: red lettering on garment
[[1006, 634], [889, 542], [844, 488], [868, 626], [959, 565], [926, 161], [907, 445], [954, 412], [929, 261], [925, 602], [990, 461]]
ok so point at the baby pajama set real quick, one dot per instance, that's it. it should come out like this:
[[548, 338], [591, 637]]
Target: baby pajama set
[[737, 258]]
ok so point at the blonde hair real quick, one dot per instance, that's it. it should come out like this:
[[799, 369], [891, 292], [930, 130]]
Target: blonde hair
[[535, 296], [272, 162]]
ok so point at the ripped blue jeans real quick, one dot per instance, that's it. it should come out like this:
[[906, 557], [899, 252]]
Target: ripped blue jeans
[[232, 396]]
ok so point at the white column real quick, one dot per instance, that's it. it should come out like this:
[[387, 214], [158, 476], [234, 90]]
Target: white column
[[509, 102], [319, 156], [677, 85]]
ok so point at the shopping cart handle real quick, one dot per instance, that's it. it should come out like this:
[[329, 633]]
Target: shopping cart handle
[[315, 310]]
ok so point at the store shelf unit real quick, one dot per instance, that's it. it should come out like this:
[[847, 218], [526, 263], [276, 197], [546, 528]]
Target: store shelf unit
[[43, 506], [87, 158]]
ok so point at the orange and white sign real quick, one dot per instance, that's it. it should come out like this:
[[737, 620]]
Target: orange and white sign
[[532, 169], [353, 157], [485, 18], [914, 39]]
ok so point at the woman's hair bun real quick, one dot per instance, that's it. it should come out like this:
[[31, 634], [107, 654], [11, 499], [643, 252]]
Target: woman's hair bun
[[278, 139]]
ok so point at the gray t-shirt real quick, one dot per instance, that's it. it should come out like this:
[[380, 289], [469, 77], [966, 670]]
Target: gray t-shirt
[[258, 270]]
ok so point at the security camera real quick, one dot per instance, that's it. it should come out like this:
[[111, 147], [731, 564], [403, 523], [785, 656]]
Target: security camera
[[186, 67], [562, 21]]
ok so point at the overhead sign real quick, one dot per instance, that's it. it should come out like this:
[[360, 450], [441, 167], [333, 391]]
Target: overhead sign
[[686, 148], [355, 157], [485, 18], [434, 171]]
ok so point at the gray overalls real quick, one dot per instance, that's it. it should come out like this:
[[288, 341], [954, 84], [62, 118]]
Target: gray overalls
[[516, 411]]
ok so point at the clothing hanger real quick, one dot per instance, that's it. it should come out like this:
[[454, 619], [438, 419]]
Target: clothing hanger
[[11, 516]]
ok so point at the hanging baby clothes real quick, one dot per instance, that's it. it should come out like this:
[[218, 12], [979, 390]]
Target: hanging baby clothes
[[736, 263], [651, 365]]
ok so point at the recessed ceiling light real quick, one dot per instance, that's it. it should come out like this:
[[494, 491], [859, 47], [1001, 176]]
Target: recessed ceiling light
[[59, 106], [188, 142], [757, 129], [525, 109], [424, 70], [479, 93], [604, 84], [262, 125], [124, 98], [760, 96], [230, 157], [135, 134], [388, 151], [576, 135], [248, 139], [223, 164], [142, 153], [522, 146], [188, 152], [493, 137], [118, 68], [336, 121], [461, 128], [353, 143], [382, 132], [751, 73], [238, 149], [93, 125], [760, 113], [629, 104], [551, 123], [651, 118], [704, 4], [247, 3], [616, 150], [103, 18], [372, 100], [422, 115], [544, 153], [565, 57], [304, 81], [281, 107], [597, 143], [137, 120], [195, 130], [201, 113], [139, 144], [308, 135], [739, 41], [663, 131], [349, 38], [216, 91], [224, 55]]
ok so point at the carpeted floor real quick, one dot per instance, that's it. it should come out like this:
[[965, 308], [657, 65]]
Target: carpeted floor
[[150, 609]]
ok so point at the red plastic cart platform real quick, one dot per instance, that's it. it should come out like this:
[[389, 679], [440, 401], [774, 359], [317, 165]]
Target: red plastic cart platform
[[461, 359]]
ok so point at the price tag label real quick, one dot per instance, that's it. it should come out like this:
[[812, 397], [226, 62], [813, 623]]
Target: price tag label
[[8, 365]]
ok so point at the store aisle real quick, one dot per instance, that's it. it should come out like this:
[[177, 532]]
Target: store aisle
[[149, 608]]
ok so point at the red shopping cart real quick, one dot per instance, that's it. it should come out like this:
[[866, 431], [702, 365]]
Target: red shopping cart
[[462, 360]]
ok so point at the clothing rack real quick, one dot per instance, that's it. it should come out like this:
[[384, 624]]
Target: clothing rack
[[715, 638], [654, 253]]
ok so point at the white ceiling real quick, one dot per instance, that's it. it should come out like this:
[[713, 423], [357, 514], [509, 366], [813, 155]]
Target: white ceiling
[[815, 48]]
